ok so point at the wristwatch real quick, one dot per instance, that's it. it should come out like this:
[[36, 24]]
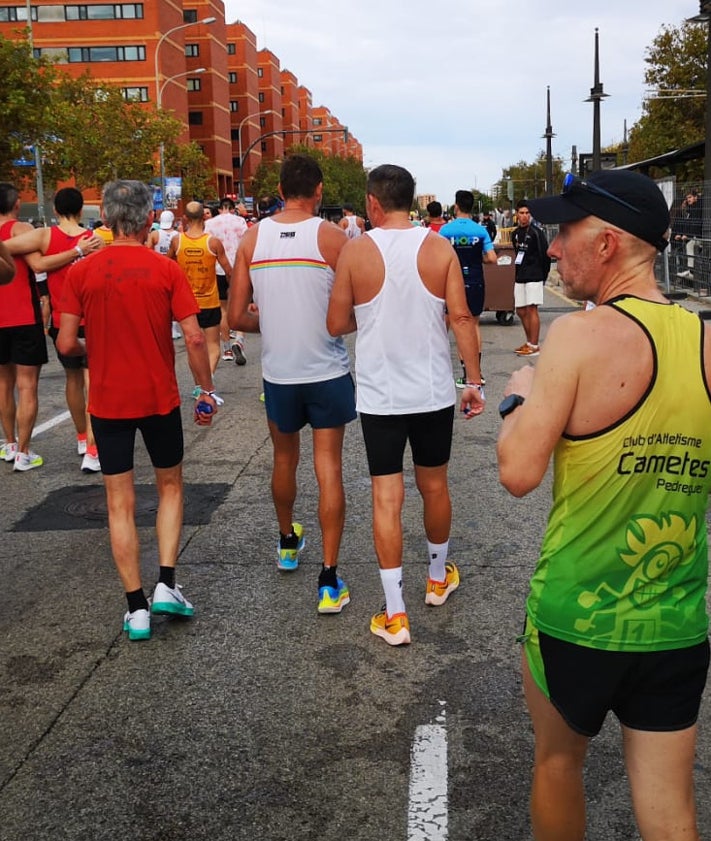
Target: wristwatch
[[508, 404]]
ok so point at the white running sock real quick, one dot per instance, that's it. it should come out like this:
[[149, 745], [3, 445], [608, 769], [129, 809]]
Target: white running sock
[[392, 587], [437, 553]]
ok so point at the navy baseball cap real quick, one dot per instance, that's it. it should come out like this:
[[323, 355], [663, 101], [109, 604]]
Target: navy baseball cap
[[627, 200]]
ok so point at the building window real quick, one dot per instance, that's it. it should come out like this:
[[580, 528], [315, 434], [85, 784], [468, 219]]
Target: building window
[[235, 163], [194, 84], [282, 90], [91, 54], [192, 50], [190, 16], [318, 121], [318, 138], [50, 14], [232, 77], [234, 105], [264, 146], [135, 94], [104, 11], [231, 49], [260, 72], [234, 134], [195, 118], [262, 121], [261, 97], [58, 54]]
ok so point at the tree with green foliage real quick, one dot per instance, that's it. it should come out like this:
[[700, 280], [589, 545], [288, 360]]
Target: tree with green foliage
[[344, 179], [527, 180], [192, 164], [672, 117], [25, 102], [95, 135]]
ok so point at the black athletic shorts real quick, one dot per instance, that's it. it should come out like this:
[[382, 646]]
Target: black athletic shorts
[[223, 286], [385, 436], [69, 363], [25, 345], [651, 690], [475, 296], [209, 317], [116, 438]]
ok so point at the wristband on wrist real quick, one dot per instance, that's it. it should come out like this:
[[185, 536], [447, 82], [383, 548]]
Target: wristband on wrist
[[79, 251], [198, 391], [473, 385]]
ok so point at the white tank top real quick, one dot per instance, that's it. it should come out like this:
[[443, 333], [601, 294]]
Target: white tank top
[[292, 284], [403, 361], [164, 238], [352, 231]]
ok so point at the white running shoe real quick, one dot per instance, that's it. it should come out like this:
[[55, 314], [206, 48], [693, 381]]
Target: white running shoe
[[138, 625], [8, 451], [26, 461], [90, 464], [170, 600]]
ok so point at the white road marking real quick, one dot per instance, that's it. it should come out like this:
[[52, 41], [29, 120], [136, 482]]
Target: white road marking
[[427, 816], [52, 422]]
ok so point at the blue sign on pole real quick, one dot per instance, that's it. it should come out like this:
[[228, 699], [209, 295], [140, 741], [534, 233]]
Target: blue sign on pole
[[22, 162]]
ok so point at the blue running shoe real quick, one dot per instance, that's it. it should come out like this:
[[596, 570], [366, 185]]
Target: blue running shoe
[[288, 549], [333, 600]]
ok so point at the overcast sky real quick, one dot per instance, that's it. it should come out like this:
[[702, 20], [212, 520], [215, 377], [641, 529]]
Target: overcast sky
[[456, 91]]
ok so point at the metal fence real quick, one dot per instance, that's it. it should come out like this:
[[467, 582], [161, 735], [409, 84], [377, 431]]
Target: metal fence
[[685, 265]]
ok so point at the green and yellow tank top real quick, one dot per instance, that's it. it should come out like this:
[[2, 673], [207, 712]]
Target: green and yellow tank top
[[624, 561], [198, 262]]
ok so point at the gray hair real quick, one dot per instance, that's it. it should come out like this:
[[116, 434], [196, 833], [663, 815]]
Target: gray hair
[[127, 206]]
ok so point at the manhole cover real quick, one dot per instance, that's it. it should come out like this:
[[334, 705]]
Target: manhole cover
[[84, 507]]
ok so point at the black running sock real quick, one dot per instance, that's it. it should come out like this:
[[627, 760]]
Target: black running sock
[[288, 541], [136, 600], [327, 577], [167, 576]]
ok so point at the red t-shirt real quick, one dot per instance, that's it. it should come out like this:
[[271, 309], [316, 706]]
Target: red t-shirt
[[19, 299], [59, 241], [129, 295]]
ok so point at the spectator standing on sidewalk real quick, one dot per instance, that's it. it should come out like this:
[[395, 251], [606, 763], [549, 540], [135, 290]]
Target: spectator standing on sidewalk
[[616, 613], [532, 267], [136, 388], [391, 284]]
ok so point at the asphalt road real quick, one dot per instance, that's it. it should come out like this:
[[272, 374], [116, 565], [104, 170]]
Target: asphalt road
[[260, 719]]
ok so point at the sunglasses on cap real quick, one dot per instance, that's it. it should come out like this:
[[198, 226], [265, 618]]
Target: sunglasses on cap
[[572, 182]]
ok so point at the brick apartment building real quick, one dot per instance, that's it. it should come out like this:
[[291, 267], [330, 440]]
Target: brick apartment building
[[152, 51]]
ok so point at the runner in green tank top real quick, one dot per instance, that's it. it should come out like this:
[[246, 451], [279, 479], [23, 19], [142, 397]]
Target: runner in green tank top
[[616, 614]]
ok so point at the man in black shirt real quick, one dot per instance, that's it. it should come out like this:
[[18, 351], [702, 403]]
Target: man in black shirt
[[532, 267]]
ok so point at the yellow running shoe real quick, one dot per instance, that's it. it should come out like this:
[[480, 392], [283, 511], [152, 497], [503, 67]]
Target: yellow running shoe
[[438, 591], [395, 630]]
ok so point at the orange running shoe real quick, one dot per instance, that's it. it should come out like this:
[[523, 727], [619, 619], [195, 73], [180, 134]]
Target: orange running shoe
[[395, 630], [438, 591]]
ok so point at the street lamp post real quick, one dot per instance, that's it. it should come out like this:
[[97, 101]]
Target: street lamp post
[[39, 180], [239, 137], [159, 101], [159, 88]]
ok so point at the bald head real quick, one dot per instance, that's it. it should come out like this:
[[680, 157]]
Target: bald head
[[194, 211]]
